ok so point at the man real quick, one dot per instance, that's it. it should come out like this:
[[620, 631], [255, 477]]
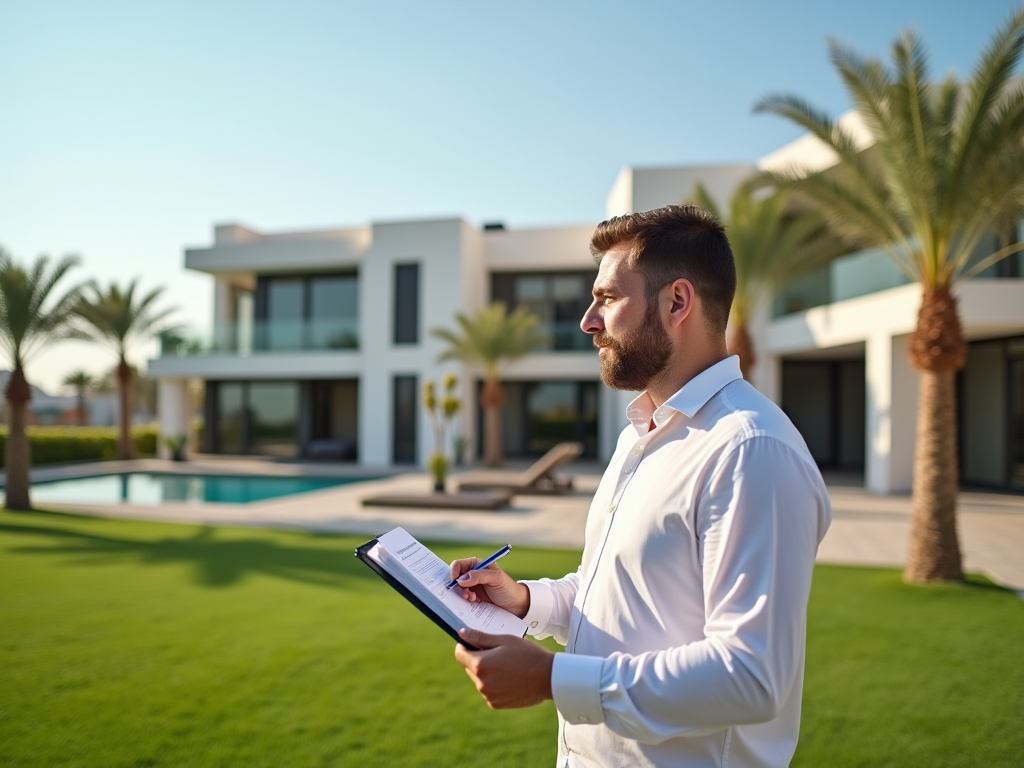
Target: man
[[684, 625]]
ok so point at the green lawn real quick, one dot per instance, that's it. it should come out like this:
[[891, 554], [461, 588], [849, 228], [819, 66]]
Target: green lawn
[[143, 644]]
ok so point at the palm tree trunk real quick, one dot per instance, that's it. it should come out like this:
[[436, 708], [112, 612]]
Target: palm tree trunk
[[938, 350], [17, 458], [492, 400], [741, 344], [125, 444], [81, 406], [934, 547], [492, 437]]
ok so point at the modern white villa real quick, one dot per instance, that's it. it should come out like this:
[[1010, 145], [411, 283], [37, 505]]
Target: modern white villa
[[322, 342]]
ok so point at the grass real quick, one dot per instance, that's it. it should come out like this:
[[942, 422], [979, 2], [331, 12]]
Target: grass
[[137, 644]]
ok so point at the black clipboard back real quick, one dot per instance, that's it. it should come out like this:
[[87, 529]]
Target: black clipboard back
[[362, 553]]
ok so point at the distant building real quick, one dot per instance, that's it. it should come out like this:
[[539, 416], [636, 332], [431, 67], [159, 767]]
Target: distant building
[[321, 342], [43, 408]]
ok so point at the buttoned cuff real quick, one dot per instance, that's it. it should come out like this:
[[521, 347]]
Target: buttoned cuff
[[541, 603], [576, 688]]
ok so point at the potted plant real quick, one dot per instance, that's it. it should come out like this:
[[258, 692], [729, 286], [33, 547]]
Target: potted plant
[[441, 412], [176, 445]]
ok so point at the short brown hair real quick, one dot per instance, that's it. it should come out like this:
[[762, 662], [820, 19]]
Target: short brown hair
[[677, 241]]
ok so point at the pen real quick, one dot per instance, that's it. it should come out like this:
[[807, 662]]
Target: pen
[[483, 563]]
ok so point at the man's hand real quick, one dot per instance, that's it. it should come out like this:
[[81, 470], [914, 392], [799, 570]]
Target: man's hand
[[509, 672], [490, 585]]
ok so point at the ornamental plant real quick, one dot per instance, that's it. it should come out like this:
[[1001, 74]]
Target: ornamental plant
[[441, 411]]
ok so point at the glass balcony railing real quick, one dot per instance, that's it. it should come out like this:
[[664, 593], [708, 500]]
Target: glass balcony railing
[[265, 336]]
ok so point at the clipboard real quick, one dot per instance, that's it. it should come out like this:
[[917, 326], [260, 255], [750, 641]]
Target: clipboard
[[361, 554]]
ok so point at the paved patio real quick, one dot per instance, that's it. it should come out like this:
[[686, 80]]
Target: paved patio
[[866, 529]]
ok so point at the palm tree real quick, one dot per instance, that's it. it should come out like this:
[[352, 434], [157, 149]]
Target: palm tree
[[771, 247], [946, 167], [81, 381], [28, 320], [120, 319], [491, 338]]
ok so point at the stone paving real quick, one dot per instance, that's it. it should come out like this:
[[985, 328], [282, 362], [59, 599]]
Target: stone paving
[[866, 529]]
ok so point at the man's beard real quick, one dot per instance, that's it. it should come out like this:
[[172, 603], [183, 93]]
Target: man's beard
[[634, 360]]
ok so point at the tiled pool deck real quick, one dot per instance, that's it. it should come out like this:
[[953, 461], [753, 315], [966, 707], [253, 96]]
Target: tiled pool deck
[[866, 529]]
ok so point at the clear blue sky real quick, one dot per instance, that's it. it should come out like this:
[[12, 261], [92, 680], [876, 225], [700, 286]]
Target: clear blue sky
[[127, 129]]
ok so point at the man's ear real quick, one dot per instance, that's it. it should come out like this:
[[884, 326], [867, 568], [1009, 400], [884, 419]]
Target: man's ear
[[681, 297]]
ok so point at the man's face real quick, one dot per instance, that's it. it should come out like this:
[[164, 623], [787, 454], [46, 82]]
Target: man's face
[[634, 347]]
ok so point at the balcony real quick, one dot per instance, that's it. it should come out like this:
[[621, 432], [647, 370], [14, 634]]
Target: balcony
[[260, 337]]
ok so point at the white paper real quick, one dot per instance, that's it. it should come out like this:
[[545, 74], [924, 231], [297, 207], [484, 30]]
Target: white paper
[[425, 574]]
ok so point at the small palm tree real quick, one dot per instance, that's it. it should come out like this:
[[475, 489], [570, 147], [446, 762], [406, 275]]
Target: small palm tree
[[29, 318], [945, 171], [120, 319], [772, 247], [491, 338], [81, 381]]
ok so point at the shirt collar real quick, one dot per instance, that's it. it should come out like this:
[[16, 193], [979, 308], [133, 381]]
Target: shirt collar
[[688, 400]]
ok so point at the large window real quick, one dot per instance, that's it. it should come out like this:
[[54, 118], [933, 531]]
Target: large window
[[540, 414], [307, 312], [991, 399], [229, 417], [253, 417], [274, 418], [407, 304], [404, 414], [825, 400], [559, 299]]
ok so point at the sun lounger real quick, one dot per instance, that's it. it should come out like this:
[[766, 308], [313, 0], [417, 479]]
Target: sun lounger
[[539, 478], [475, 500]]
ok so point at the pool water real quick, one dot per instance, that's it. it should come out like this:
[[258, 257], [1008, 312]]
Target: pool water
[[151, 489]]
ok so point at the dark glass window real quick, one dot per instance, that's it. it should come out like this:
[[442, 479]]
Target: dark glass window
[[333, 312], [230, 412], [407, 304], [540, 414], [404, 414], [825, 401], [274, 418], [557, 299], [253, 417], [285, 300], [307, 312], [990, 395]]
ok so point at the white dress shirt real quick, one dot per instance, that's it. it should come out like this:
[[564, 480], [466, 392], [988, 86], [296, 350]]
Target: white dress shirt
[[684, 625]]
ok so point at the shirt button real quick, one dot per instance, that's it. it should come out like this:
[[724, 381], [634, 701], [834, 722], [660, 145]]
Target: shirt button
[[533, 624], [611, 509], [565, 750], [583, 718], [638, 450], [628, 470]]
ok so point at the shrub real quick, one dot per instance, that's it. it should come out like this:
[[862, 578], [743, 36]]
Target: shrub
[[54, 444]]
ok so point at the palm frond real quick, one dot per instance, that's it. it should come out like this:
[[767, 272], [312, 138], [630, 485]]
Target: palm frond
[[491, 337], [29, 316]]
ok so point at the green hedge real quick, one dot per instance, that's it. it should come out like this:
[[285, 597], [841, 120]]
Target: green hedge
[[53, 444]]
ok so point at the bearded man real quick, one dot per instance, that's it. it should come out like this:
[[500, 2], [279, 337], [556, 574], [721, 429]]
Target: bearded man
[[684, 626]]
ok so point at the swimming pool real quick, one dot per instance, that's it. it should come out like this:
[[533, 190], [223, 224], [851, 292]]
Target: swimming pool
[[151, 488]]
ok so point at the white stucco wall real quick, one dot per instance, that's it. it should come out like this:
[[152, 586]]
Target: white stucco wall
[[643, 189], [883, 322]]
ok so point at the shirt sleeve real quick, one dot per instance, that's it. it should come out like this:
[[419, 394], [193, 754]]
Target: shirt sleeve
[[551, 606], [760, 517]]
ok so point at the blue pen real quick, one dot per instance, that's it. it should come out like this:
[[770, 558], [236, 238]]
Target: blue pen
[[483, 563]]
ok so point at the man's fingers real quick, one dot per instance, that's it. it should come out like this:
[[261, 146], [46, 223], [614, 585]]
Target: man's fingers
[[480, 639], [465, 657], [484, 577], [458, 567]]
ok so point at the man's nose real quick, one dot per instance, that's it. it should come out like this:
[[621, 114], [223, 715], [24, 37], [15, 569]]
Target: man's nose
[[592, 321]]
